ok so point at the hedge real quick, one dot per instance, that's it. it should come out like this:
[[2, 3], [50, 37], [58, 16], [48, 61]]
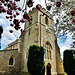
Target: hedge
[[35, 61]]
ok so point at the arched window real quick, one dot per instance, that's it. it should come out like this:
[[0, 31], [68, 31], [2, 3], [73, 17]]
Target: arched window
[[11, 60], [46, 20], [48, 49], [49, 54]]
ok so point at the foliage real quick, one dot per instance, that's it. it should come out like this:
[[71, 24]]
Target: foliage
[[63, 11], [65, 74], [12, 10], [64, 17], [64, 22], [35, 61], [69, 61]]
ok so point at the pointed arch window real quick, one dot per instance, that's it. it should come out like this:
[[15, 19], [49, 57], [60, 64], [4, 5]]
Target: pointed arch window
[[11, 61], [48, 51]]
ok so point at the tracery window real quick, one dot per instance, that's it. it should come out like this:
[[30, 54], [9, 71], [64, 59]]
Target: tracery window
[[47, 52]]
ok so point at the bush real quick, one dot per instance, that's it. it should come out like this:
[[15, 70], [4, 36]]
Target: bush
[[35, 61], [65, 74], [68, 62]]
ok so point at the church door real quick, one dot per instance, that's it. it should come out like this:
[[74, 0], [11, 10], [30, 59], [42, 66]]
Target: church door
[[48, 69]]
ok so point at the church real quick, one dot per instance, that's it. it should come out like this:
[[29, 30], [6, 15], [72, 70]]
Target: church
[[13, 59]]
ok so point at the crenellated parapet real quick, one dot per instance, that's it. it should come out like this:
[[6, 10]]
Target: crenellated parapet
[[43, 10]]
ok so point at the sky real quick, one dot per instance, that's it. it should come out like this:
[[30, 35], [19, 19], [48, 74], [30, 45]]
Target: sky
[[8, 37]]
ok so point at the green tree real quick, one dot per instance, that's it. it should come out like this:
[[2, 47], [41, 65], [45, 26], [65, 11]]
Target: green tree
[[68, 62], [74, 59], [35, 61]]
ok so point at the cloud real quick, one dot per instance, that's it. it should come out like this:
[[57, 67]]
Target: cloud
[[65, 45], [8, 37], [5, 41]]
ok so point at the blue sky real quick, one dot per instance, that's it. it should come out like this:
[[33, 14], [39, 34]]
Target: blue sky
[[8, 37]]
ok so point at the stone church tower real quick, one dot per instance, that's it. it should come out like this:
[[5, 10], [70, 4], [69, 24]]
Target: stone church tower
[[40, 32]]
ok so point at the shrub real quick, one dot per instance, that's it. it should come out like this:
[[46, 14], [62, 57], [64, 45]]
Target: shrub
[[68, 62], [65, 74], [35, 61]]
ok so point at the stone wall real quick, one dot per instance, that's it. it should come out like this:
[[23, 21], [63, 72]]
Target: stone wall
[[5, 56], [14, 45]]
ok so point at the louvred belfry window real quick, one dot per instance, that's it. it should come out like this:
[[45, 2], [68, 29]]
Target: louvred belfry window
[[46, 20]]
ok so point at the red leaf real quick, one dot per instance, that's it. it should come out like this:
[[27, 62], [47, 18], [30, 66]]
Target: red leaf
[[11, 17], [17, 13], [12, 25], [7, 17], [26, 16], [74, 28], [14, 16], [37, 7], [19, 9], [30, 3], [48, 7], [11, 31], [9, 12], [58, 4], [73, 12], [3, 1], [16, 21]]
